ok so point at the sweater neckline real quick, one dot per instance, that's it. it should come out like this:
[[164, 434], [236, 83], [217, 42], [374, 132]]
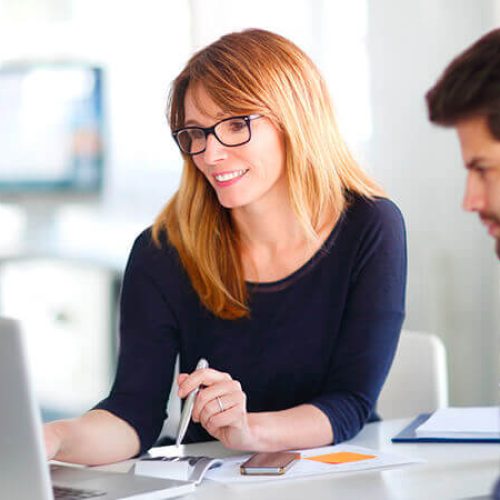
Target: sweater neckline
[[271, 286]]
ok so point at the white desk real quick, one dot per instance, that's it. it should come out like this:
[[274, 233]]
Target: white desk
[[452, 471]]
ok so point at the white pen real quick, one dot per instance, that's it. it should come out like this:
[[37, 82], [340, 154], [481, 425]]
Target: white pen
[[188, 407]]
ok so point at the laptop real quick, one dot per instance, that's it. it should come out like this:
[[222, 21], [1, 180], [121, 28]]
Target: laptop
[[25, 473]]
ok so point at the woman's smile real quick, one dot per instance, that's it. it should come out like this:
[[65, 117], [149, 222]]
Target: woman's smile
[[228, 178]]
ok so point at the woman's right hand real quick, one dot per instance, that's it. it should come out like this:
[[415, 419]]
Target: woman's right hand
[[52, 440]]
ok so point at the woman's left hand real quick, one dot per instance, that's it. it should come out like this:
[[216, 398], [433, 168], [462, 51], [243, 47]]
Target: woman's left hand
[[220, 406]]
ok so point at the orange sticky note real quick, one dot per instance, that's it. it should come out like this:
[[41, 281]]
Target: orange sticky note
[[341, 457]]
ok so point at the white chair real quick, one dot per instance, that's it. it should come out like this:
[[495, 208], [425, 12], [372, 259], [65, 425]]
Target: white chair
[[418, 379]]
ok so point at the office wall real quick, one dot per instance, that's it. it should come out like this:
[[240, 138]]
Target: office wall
[[453, 272]]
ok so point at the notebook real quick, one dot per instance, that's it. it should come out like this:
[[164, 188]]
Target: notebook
[[188, 468], [410, 434], [24, 471], [481, 422]]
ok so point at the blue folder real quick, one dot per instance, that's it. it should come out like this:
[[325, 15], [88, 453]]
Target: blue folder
[[408, 435]]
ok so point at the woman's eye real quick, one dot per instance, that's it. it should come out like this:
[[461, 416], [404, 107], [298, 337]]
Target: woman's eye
[[236, 125], [197, 134]]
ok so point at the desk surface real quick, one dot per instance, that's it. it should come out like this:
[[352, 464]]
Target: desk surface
[[452, 471]]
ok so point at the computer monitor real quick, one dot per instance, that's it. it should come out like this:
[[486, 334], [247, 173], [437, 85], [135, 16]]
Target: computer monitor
[[51, 129]]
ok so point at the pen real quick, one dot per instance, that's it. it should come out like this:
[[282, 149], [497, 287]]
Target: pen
[[188, 407]]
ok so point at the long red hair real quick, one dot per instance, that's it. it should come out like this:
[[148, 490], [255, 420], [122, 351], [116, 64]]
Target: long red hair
[[256, 71]]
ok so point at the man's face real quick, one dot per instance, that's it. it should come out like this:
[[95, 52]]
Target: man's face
[[481, 154]]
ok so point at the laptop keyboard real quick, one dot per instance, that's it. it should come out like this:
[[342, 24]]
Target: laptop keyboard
[[61, 493]]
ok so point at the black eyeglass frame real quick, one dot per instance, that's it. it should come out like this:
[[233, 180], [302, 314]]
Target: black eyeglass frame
[[211, 130]]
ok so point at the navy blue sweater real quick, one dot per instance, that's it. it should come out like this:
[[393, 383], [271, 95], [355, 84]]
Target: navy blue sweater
[[325, 335]]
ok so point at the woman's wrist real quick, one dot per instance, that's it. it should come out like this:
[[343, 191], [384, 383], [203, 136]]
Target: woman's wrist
[[276, 431], [260, 425]]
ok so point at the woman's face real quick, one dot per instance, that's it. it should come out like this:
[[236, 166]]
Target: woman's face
[[246, 176]]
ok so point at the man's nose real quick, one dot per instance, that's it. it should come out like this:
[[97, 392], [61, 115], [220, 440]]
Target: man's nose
[[473, 200]]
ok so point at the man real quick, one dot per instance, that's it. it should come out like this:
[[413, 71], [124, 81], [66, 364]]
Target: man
[[467, 97]]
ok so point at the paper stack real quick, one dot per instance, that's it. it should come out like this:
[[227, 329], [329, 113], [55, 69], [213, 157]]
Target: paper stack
[[462, 423]]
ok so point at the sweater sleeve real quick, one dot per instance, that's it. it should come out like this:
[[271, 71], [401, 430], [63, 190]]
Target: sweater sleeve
[[370, 325], [149, 343]]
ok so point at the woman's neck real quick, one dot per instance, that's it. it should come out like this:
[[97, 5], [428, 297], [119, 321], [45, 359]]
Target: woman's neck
[[268, 225], [273, 243]]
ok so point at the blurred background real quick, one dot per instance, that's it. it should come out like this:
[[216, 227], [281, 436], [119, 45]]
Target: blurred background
[[87, 161]]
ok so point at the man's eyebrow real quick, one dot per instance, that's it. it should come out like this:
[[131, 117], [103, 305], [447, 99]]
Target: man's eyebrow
[[474, 162]]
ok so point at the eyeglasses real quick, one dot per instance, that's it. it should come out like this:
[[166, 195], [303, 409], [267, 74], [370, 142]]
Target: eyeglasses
[[231, 132]]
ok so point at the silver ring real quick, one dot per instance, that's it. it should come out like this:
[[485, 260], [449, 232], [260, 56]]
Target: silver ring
[[221, 405]]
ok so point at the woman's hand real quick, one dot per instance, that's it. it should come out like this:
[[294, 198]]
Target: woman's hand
[[220, 407]]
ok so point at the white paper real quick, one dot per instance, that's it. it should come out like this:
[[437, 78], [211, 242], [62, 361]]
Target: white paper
[[170, 470], [229, 472], [186, 468], [481, 421]]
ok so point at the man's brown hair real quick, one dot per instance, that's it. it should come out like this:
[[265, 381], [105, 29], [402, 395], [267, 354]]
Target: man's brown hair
[[470, 86]]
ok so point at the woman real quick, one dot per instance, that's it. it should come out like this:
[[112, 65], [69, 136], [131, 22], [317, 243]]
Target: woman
[[278, 260]]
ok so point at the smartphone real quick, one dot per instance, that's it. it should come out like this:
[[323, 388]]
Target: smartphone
[[271, 464]]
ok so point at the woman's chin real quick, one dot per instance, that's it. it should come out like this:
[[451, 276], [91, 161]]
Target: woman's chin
[[230, 202]]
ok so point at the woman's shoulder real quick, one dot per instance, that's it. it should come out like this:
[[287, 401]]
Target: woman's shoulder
[[146, 243], [366, 221], [370, 211], [153, 252]]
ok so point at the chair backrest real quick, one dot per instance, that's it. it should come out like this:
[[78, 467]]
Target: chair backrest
[[418, 379]]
